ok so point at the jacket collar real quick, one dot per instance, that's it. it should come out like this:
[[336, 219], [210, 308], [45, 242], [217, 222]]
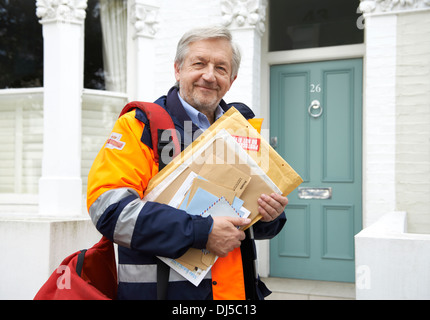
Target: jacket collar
[[179, 116]]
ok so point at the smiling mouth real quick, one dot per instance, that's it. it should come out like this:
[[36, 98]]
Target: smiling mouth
[[206, 88]]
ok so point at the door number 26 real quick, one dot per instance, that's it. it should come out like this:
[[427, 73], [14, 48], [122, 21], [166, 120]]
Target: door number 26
[[316, 88]]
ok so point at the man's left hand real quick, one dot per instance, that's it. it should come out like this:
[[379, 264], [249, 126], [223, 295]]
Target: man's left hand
[[271, 207]]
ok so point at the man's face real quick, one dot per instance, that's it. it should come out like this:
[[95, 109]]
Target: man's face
[[205, 76]]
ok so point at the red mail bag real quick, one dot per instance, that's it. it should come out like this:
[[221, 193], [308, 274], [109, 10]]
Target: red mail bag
[[84, 275]]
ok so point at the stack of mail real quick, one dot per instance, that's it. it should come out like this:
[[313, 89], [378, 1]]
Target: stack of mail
[[199, 196]]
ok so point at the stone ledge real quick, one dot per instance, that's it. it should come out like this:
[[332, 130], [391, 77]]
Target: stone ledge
[[33, 247], [297, 289]]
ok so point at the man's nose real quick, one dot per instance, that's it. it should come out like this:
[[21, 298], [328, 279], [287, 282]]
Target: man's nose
[[209, 74]]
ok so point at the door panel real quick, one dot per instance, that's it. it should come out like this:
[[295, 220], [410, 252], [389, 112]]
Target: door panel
[[294, 86], [339, 127], [322, 142], [296, 242]]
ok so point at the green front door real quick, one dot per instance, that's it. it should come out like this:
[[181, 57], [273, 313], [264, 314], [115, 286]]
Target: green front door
[[316, 125]]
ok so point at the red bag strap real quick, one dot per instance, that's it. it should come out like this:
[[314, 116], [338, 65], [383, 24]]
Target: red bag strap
[[159, 121]]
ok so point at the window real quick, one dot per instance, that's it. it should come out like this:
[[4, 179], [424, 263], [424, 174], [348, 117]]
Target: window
[[300, 24], [94, 77], [21, 45], [105, 45]]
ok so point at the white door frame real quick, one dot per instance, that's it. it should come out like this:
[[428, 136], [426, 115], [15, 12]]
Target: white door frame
[[288, 57]]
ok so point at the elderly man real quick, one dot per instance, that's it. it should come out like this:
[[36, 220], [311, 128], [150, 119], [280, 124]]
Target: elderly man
[[206, 66]]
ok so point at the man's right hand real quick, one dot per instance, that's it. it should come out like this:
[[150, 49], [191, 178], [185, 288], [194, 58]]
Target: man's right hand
[[225, 236]]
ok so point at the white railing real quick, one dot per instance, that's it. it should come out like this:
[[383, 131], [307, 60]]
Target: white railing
[[21, 132], [21, 129]]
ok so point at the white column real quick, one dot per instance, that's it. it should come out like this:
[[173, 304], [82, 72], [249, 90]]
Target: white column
[[141, 54], [60, 187], [379, 196], [380, 116], [246, 20]]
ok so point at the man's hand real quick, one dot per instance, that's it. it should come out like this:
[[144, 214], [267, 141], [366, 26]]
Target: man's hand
[[225, 236], [271, 207]]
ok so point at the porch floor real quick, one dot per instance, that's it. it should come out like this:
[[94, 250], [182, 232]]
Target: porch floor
[[296, 289]]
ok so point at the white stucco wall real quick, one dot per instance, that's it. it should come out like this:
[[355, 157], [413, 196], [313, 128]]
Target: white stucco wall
[[392, 264], [413, 119], [33, 247], [379, 118], [397, 117]]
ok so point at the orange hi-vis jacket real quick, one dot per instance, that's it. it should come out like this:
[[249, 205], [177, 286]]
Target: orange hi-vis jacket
[[145, 230]]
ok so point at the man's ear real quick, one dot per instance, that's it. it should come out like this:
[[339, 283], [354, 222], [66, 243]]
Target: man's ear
[[231, 82], [177, 72]]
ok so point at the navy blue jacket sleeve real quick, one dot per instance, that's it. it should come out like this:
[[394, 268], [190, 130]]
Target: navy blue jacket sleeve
[[268, 230], [159, 230], [164, 231]]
